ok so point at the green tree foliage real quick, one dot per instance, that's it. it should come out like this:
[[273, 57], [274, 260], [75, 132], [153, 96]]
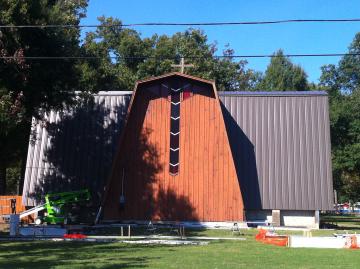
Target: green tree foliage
[[282, 75], [27, 86], [12, 129], [343, 85], [129, 47]]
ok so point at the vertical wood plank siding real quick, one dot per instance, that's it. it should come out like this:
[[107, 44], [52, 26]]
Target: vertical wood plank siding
[[196, 192], [288, 135]]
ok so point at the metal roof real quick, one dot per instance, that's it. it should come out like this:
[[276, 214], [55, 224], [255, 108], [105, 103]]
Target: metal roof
[[265, 93], [174, 74], [281, 148], [73, 149]]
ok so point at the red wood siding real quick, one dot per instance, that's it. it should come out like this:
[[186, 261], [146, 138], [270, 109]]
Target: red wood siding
[[206, 187]]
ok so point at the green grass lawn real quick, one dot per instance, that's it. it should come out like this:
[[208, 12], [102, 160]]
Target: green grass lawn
[[218, 254]]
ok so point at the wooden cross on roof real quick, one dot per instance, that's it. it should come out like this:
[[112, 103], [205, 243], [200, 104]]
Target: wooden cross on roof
[[182, 65]]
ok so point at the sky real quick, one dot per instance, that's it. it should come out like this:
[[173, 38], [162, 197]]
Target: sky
[[295, 38]]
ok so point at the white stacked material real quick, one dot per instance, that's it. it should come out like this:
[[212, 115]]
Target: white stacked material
[[283, 228], [317, 242]]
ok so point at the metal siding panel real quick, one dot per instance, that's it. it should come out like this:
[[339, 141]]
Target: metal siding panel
[[80, 147], [321, 151], [308, 143], [28, 167], [283, 144], [262, 152], [285, 150], [290, 134], [269, 146], [296, 178], [325, 173], [301, 140], [277, 153], [302, 126], [297, 156], [257, 144], [286, 142], [266, 194], [291, 154], [41, 156], [308, 179], [272, 157], [326, 178], [314, 168], [252, 137], [37, 150]]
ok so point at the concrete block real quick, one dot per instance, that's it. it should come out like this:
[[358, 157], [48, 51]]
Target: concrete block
[[276, 218]]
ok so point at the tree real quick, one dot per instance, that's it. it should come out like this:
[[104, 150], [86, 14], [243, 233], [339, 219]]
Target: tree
[[342, 82], [11, 132], [129, 49], [282, 75], [29, 87]]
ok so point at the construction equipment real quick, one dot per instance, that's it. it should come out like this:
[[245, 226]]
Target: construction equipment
[[57, 206]]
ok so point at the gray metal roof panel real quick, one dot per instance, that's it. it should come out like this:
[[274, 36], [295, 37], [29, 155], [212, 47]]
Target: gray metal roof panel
[[272, 93], [281, 150], [73, 149]]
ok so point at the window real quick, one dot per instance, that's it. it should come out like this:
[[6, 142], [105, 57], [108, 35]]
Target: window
[[175, 99], [174, 131]]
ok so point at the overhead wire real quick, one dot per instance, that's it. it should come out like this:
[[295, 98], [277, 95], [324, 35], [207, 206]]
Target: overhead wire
[[180, 24], [177, 57], [184, 24]]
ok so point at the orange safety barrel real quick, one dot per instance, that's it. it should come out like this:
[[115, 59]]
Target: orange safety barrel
[[352, 242]]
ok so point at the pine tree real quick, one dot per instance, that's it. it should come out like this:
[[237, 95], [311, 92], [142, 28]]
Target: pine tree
[[282, 75]]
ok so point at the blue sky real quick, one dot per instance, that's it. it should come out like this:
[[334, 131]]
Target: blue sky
[[251, 39]]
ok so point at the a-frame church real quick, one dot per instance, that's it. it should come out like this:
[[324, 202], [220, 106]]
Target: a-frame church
[[175, 149]]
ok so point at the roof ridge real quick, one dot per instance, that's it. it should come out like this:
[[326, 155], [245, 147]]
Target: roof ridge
[[272, 93], [175, 74]]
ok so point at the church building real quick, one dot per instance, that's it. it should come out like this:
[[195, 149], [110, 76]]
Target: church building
[[174, 161], [176, 149]]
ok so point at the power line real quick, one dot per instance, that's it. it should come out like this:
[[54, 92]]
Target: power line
[[176, 57], [183, 24]]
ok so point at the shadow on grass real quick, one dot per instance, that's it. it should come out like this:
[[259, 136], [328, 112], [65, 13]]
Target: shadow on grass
[[169, 230], [144, 230], [73, 254]]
